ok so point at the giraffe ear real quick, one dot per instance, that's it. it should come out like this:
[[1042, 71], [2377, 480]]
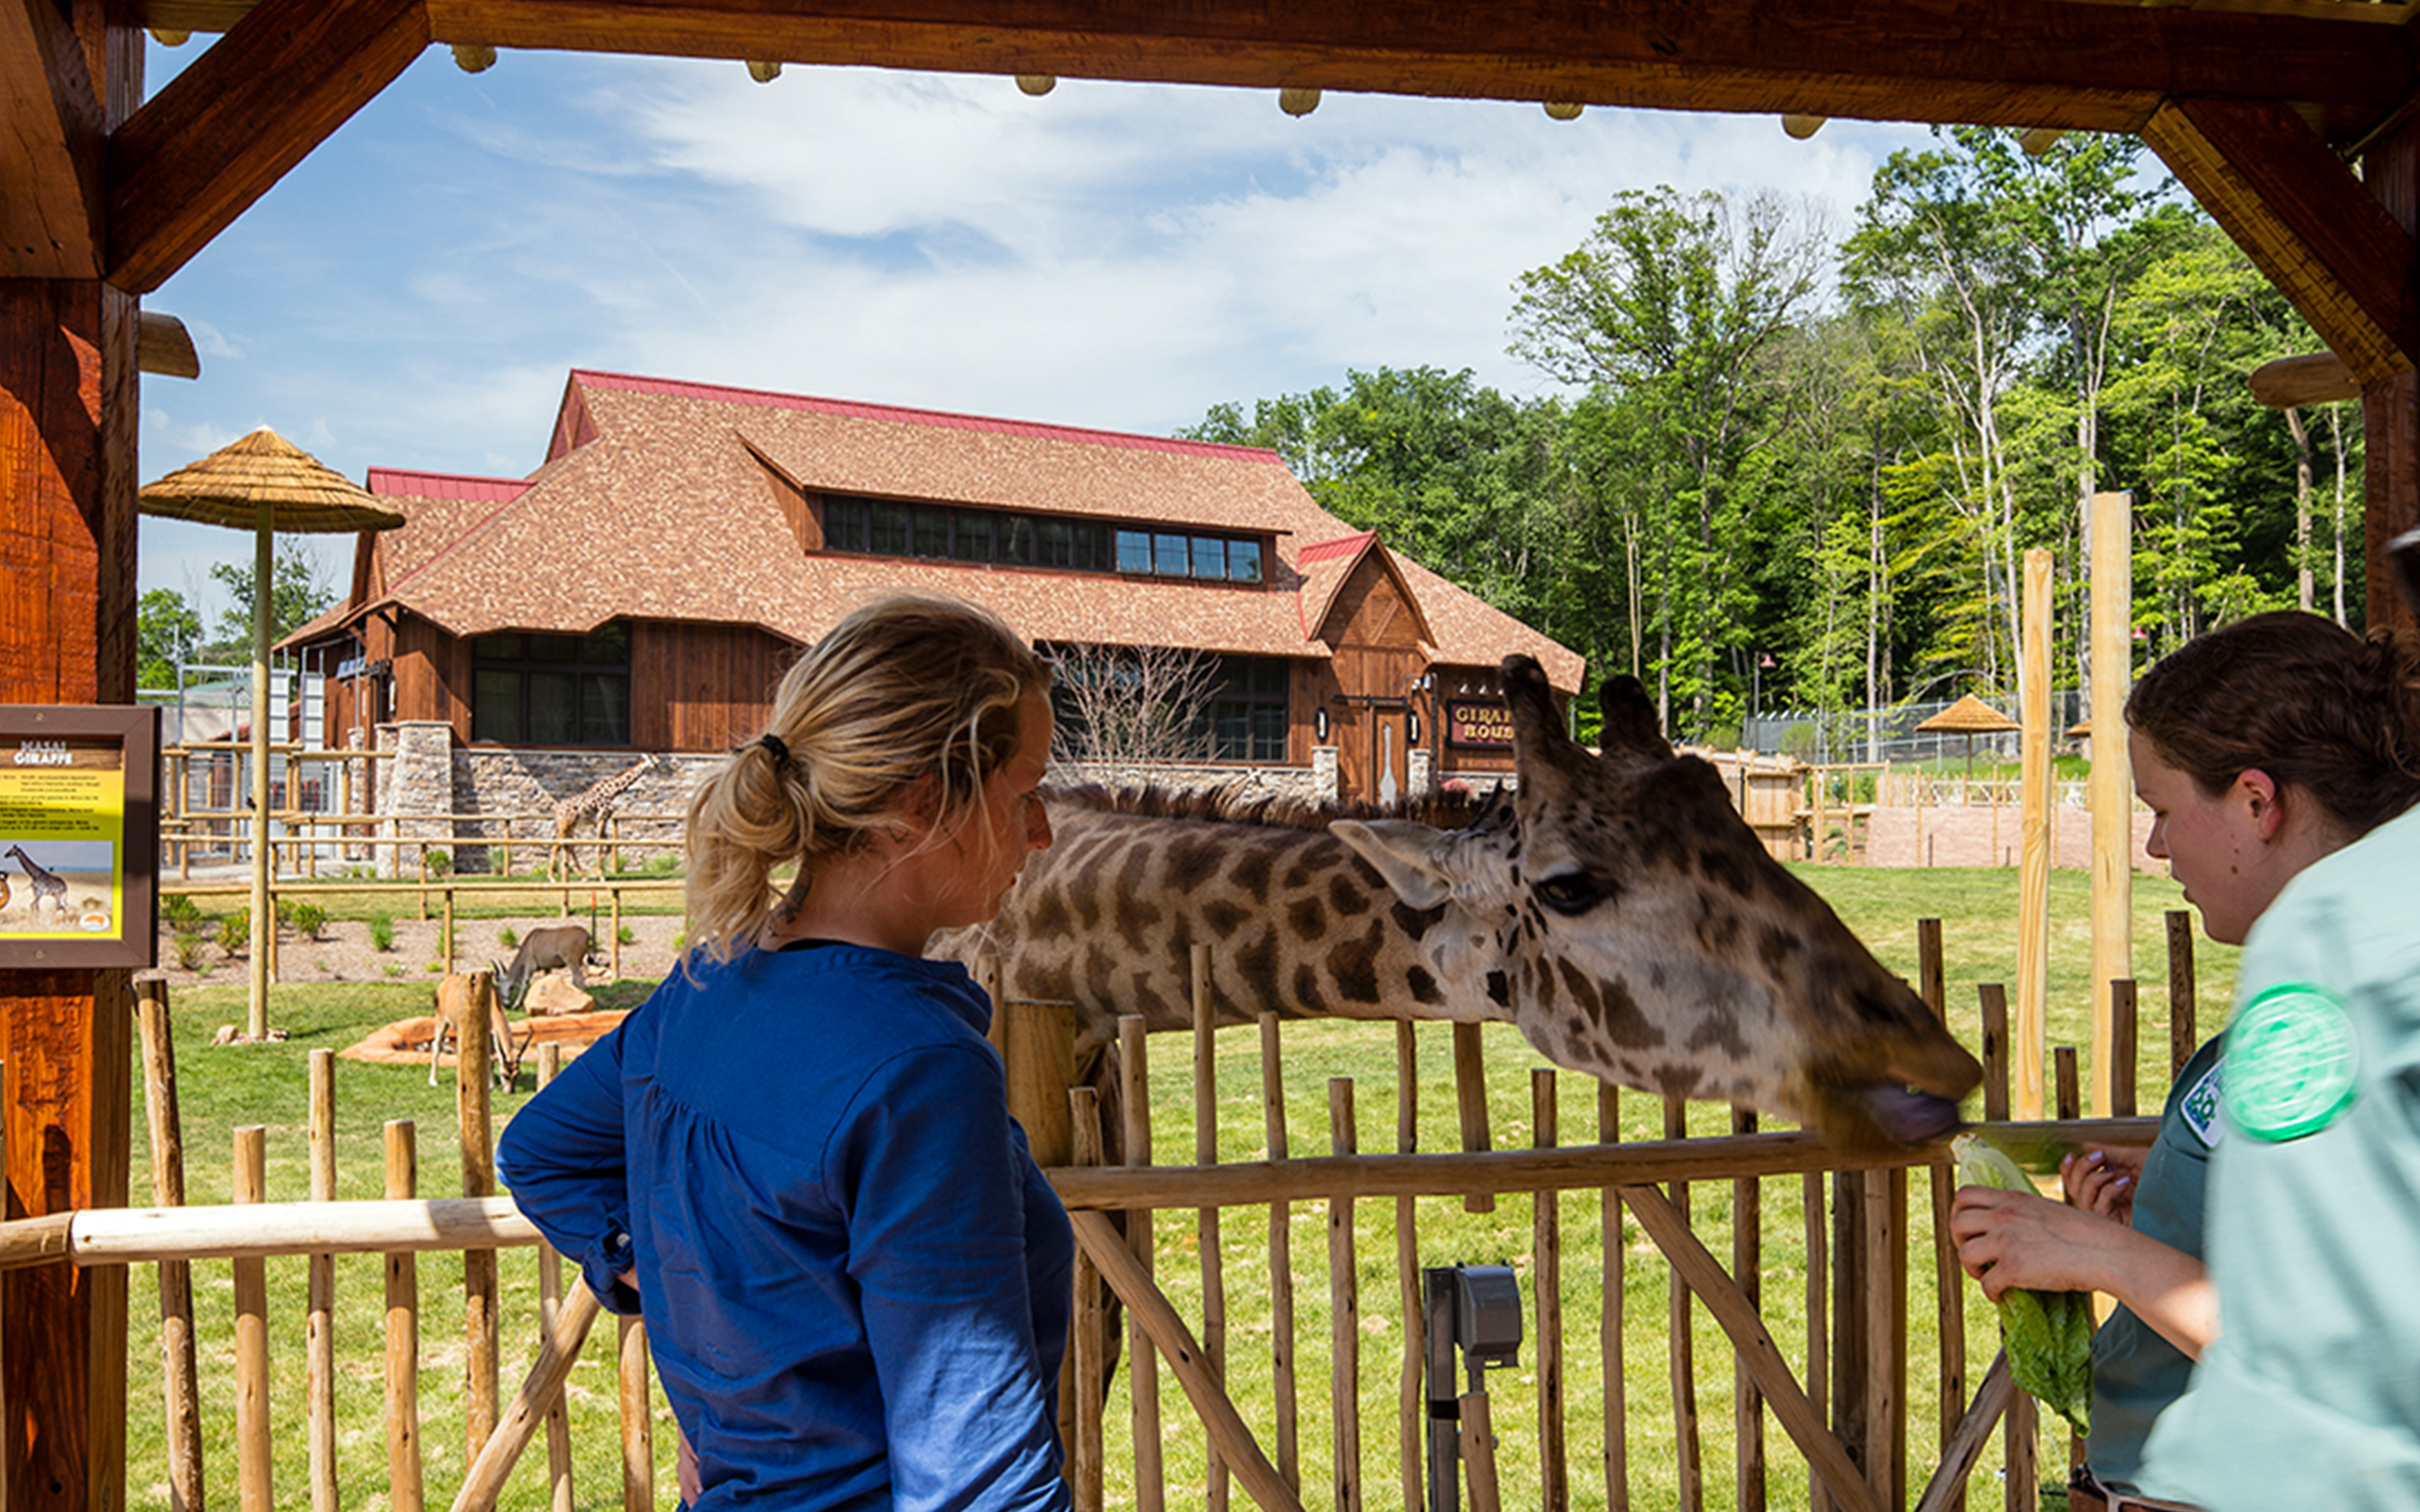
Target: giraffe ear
[[1411, 856], [1629, 719]]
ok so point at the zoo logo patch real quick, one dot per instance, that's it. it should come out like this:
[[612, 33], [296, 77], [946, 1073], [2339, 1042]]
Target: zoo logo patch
[[2291, 1062], [2200, 1110]]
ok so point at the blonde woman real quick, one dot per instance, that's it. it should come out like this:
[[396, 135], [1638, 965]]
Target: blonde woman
[[796, 1159]]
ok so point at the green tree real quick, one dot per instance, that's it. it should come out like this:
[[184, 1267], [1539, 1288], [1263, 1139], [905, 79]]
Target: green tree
[[296, 595], [1671, 310], [166, 631]]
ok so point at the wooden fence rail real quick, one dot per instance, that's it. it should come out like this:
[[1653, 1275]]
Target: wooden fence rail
[[1840, 1404]]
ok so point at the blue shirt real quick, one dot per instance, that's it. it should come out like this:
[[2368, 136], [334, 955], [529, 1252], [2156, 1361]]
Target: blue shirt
[[854, 1277]]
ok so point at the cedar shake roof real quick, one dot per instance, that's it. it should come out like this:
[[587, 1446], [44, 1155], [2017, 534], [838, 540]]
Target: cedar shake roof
[[656, 505]]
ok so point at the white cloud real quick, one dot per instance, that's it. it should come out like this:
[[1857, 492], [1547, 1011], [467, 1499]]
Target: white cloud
[[1117, 256]]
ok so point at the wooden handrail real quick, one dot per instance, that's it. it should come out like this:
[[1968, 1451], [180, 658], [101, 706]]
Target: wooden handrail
[[1245, 1183], [125, 1235]]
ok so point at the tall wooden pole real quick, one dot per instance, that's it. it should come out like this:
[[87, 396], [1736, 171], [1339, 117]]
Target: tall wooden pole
[[67, 579], [264, 924], [2112, 778], [2391, 406], [2031, 1028]]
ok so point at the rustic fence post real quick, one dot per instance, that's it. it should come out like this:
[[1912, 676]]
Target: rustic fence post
[[1680, 1348], [319, 1329], [1143, 1358], [1089, 1348], [403, 1463], [254, 1491], [1288, 1403], [474, 1001], [1344, 1308], [1546, 1271], [1205, 1153], [180, 1384], [550, 1308]]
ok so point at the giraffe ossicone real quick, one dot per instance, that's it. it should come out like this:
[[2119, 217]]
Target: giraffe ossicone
[[1615, 907]]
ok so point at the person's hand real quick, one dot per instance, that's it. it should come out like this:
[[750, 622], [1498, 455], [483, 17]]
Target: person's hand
[[2017, 1239], [2102, 1179], [685, 1467]]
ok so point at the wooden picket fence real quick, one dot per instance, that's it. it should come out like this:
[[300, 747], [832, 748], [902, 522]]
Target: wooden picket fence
[[1842, 1408]]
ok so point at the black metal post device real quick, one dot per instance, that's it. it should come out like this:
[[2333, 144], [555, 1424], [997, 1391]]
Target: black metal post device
[[1476, 1310]]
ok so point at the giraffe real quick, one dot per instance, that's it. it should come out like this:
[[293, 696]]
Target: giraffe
[[1615, 908], [592, 804], [45, 884]]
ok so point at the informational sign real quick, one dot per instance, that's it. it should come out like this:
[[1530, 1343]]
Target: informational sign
[[79, 836], [1487, 725]]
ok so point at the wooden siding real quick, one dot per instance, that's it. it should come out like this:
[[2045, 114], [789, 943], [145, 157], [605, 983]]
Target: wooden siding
[[432, 675], [1372, 609], [702, 687]]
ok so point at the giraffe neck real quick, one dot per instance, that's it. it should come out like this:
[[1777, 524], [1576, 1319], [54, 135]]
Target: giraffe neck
[[1293, 920]]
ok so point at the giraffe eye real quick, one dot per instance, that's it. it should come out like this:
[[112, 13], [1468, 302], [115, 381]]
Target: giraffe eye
[[1572, 892]]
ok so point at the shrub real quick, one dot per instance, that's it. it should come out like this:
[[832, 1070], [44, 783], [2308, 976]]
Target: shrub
[[437, 968], [626, 934], [382, 933], [440, 863], [509, 937], [181, 913], [188, 948], [235, 934], [308, 918]]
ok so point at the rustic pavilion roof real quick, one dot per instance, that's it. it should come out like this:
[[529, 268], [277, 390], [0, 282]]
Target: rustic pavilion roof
[[664, 500]]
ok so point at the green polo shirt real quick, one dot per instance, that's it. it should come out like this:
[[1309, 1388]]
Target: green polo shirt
[[2311, 1396]]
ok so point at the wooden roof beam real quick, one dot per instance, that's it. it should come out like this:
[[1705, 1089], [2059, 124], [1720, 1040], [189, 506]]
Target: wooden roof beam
[[50, 159], [2305, 219], [2019, 63], [201, 150]]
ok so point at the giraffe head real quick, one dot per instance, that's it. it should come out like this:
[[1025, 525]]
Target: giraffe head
[[1641, 933]]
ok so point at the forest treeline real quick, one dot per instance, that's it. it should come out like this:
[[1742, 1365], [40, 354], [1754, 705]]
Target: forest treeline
[[1834, 450]]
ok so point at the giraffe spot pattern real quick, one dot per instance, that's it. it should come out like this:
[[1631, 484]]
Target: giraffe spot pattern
[[1307, 917], [1354, 966], [1346, 897], [1423, 986], [1224, 917]]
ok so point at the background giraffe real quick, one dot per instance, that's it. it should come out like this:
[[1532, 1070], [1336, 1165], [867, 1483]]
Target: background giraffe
[[45, 884], [592, 804]]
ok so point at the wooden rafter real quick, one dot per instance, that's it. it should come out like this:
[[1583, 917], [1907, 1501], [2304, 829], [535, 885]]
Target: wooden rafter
[[1993, 62], [2303, 219], [214, 140], [51, 156]]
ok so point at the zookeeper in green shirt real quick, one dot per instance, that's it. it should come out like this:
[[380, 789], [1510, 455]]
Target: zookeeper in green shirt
[[2266, 750]]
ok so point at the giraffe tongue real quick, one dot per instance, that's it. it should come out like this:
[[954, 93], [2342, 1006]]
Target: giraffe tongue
[[1908, 1116]]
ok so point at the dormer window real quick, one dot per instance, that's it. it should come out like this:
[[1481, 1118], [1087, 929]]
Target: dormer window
[[874, 527]]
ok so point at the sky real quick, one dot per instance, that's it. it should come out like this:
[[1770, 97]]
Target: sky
[[1115, 255]]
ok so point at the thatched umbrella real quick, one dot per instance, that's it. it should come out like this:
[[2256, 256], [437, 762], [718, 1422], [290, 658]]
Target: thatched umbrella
[[264, 484], [1969, 717]]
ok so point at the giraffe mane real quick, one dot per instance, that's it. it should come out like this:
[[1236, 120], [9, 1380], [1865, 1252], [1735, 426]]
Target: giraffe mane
[[1233, 803]]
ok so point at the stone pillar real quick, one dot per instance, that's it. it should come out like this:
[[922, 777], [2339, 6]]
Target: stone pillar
[[1323, 772], [1420, 773], [418, 782]]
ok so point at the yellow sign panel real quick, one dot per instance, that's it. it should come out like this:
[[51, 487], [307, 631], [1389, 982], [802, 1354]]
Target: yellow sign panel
[[62, 819]]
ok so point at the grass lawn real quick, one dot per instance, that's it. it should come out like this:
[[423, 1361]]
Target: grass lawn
[[221, 1087]]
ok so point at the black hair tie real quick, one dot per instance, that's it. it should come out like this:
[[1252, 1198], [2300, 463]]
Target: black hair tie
[[774, 743]]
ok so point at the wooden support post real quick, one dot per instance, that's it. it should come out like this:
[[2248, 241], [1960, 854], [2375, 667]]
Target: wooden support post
[[1680, 1345], [68, 476], [1206, 1220], [1948, 1280], [1281, 1351], [2112, 781], [472, 1035], [2034, 826], [638, 1418], [319, 1327], [1546, 1302], [254, 1493], [1142, 1361], [1747, 1271], [2182, 1040], [1088, 1347], [180, 1385], [549, 1309], [1470, 1101], [405, 1492], [2121, 1048], [1612, 1246], [1344, 1311]]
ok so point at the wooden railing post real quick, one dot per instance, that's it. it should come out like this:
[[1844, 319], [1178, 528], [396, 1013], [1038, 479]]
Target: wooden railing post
[[180, 1388], [319, 1335], [473, 1041], [403, 1460]]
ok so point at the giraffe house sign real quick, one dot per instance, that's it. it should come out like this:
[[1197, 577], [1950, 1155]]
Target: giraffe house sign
[[1486, 726], [79, 836]]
